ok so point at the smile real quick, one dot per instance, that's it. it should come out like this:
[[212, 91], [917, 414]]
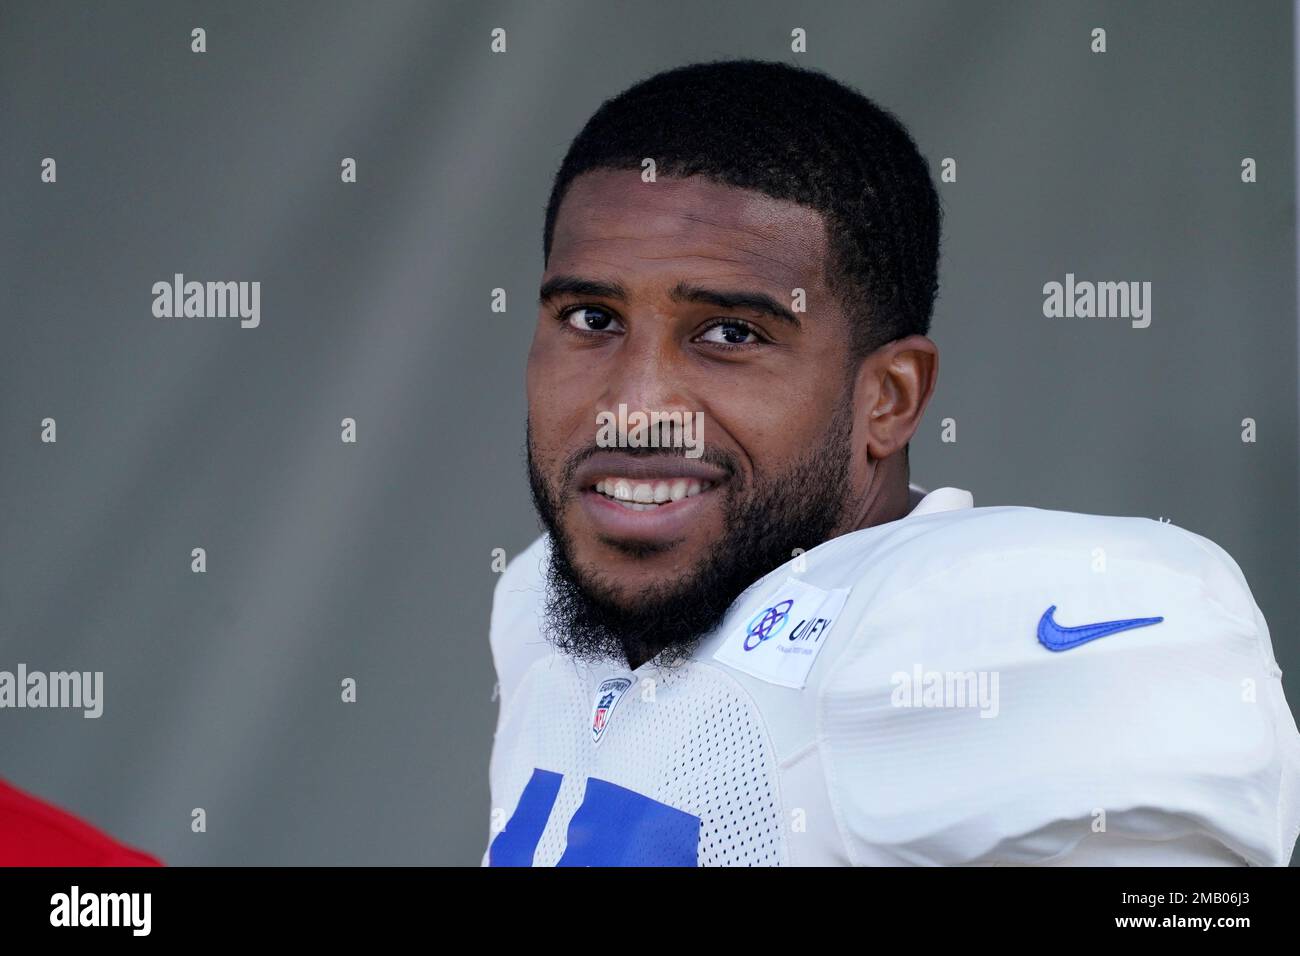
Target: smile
[[642, 495]]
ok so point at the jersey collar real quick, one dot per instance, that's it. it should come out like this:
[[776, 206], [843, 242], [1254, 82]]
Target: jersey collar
[[941, 499]]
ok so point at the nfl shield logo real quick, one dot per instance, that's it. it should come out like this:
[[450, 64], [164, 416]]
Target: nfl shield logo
[[607, 698]]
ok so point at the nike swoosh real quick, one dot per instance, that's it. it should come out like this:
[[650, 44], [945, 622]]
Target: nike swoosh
[[1056, 638]]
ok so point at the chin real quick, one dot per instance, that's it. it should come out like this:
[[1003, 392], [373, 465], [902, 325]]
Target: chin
[[625, 574]]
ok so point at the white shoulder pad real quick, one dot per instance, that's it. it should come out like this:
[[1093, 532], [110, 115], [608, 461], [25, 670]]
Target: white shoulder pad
[[514, 631], [954, 734]]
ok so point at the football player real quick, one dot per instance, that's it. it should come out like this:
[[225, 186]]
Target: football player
[[773, 648]]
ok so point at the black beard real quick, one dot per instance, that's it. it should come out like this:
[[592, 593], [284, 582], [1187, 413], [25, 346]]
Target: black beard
[[799, 508]]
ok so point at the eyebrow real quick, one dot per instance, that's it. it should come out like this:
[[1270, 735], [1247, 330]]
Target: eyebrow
[[573, 285], [759, 302]]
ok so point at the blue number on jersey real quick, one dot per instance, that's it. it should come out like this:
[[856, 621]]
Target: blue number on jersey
[[614, 826]]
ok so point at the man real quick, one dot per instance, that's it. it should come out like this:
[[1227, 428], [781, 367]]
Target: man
[[766, 647]]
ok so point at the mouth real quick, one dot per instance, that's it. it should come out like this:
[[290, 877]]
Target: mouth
[[660, 511], [659, 499], [636, 494]]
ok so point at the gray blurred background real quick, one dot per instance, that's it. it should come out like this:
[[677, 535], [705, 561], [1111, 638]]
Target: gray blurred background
[[372, 561]]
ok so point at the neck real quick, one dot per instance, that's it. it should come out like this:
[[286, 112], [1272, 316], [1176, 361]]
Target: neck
[[886, 498]]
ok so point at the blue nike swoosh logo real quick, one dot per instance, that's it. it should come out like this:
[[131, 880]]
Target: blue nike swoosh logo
[[1056, 638]]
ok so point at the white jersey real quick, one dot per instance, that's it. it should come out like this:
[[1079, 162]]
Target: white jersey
[[960, 686]]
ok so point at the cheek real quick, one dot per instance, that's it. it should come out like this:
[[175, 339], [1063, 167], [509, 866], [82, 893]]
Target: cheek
[[559, 377], [782, 424], [549, 383], [537, 369], [559, 418]]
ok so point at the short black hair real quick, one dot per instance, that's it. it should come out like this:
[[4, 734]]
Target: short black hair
[[796, 134]]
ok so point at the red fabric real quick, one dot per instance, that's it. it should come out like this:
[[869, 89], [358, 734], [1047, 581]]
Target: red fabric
[[35, 833]]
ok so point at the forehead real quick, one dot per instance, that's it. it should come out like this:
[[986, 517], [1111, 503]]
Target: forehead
[[610, 219]]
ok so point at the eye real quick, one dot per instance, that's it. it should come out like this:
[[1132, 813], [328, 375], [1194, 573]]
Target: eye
[[731, 332], [588, 318]]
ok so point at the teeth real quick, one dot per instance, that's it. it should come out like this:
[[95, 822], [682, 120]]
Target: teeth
[[643, 496]]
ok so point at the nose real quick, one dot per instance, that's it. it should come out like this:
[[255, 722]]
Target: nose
[[648, 376]]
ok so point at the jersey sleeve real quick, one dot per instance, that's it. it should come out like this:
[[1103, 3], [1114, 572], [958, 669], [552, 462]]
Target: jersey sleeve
[[515, 629], [515, 637], [953, 736], [1108, 849]]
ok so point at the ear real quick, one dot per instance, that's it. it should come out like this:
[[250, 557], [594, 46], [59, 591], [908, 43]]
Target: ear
[[892, 389]]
